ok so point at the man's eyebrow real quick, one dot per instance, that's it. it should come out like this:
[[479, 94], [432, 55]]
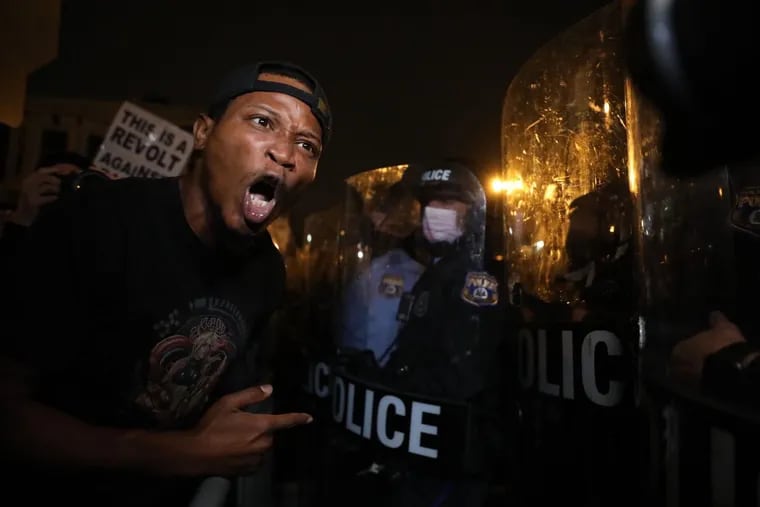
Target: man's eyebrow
[[303, 132], [266, 108], [310, 134]]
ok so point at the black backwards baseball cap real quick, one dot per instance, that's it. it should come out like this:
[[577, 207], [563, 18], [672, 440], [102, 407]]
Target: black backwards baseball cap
[[246, 80]]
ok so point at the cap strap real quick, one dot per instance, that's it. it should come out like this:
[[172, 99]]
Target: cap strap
[[317, 106]]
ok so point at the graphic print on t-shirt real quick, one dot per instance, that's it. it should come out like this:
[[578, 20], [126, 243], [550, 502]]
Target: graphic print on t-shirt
[[196, 348]]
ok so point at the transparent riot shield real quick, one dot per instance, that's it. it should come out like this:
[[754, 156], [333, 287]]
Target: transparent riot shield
[[304, 349], [569, 147], [415, 333], [272, 359], [698, 251], [691, 256]]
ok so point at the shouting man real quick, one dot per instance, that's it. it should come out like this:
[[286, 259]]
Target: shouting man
[[133, 304]]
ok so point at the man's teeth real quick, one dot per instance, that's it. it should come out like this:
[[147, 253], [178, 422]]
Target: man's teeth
[[258, 199]]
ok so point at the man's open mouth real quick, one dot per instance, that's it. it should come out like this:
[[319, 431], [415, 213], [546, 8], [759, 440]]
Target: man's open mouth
[[260, 199]]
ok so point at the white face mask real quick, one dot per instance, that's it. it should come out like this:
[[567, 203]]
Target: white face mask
[[440, 225]]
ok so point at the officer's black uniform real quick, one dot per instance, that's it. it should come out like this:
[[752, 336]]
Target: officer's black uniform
[[440, 349]]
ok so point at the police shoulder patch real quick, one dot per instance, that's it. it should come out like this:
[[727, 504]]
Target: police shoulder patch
[[480, 289]]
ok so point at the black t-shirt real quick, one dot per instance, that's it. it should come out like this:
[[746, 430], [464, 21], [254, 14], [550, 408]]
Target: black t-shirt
[[132, 321]]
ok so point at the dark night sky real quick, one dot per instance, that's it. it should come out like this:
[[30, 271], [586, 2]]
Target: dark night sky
[[401, 86]]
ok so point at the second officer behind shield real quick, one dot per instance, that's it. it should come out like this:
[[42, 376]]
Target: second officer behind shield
[[370, 303]]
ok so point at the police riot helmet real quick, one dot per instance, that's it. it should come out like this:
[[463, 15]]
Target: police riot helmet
[[452, 179], [394, 211], [600, 226]]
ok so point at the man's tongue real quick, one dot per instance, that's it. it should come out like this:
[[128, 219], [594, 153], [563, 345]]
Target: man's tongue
[[257, 207]]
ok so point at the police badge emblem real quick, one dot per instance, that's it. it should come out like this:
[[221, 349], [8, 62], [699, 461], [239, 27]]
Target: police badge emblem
[[480, 289], [391, 286]]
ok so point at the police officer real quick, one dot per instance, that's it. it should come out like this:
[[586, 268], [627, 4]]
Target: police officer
[[599, 252], [370, 303], [690, 95], [448, 319], [724, 358], [438, 349]]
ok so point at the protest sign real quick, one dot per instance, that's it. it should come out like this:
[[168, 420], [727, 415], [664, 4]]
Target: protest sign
[[139, 143]]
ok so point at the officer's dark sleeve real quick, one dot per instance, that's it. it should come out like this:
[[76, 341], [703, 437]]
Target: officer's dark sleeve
[[468, 335], [732, 374], [473, 335]]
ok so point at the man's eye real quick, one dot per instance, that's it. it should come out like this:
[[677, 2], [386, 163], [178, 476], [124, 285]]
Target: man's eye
[[261, 121], [310, 147]]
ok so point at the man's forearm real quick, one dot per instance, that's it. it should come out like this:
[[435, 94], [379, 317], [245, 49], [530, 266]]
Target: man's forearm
[[41, 434]]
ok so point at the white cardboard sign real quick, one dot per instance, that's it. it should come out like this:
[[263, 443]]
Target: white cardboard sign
[[140, 144]]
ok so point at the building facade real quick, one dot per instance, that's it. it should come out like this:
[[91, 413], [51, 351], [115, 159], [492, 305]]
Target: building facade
[[54, 125]]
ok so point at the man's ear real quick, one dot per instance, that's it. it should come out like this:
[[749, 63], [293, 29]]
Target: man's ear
[[201, 130]]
